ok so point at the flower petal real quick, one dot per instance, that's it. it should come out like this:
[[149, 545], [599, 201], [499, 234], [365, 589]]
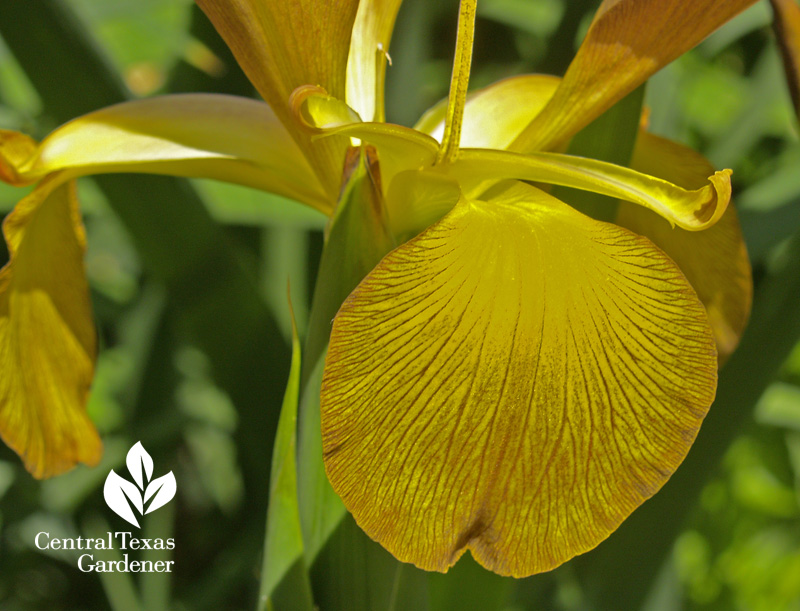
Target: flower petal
[[514, 381], [15, 150], [400, 148], [495, 115], [47, 336], [215, 136], [787, 28], [714, 261], [628, 41], [476, 169], [366, 63], [282, 44]]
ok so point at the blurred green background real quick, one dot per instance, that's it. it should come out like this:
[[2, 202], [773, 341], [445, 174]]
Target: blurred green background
[[189, 282]]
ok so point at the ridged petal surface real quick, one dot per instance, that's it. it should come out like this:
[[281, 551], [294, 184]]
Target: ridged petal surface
[[515, 380]]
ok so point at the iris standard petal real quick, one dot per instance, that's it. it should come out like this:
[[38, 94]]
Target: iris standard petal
[[787, 28], [283, 44], [495, 115], [477, 169], [47, 336], [514, 381], [714, 261], [214, 136], [628, 41], [369, 48]]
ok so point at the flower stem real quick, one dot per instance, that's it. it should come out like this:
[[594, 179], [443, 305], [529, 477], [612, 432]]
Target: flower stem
[[458, 82]]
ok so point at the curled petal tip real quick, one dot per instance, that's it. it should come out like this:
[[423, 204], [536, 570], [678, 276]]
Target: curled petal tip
[[313, 108], [712, 211]]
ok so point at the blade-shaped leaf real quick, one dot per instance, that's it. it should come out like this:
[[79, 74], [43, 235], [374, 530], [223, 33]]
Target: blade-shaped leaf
[[283, 544], [115, 490], [139, 463], [162, 489]]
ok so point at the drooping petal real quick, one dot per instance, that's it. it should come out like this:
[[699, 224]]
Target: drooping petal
[[214, 136], [476, 169], [369, 49], [514, 381], [283, 44], [495, 115], [787, 27], [714, 261], [628, 41], [47, 336]]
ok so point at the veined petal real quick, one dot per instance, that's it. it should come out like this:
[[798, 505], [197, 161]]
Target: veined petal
[[515, 381], [628, 41], [47, 336], [214, 136], [495, 115], [282, 44], [714, 261], [787, 27], [693, 210], [369, 52]]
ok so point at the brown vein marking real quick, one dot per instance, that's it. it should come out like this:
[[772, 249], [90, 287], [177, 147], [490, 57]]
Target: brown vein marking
[[532, 393], [410, 329], [493, 413], [505, 446], [649, 432], [619, 397], [397, 442], [426, 426], [477, 527]]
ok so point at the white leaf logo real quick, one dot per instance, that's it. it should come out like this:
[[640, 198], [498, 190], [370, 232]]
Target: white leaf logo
[[120, 494]]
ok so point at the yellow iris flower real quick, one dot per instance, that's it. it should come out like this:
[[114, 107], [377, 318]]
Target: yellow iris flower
[[515, 377]]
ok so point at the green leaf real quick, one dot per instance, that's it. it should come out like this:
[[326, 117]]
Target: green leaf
[[284, 580], [348, 570], [358, 239], [321, 509]]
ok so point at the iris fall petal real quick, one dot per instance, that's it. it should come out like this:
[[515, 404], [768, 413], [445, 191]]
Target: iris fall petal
[[47, 336], [514, 381]]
